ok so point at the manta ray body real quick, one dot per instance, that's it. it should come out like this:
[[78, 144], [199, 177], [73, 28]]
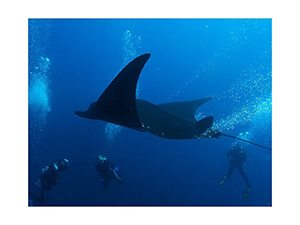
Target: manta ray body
[[175, 120], [118, 105]]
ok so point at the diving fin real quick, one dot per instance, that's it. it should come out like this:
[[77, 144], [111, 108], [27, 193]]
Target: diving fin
[[117, 175], [246, 194], [222, 181]]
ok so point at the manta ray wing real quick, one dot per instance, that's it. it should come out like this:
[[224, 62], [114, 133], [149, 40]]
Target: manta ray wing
[[164, 124], [117, 103], [186, 109]]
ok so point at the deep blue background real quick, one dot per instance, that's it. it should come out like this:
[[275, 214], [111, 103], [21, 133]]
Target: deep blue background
[[190, 59]]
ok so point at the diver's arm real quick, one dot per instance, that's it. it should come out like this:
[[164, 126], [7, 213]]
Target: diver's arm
[[111, 165]]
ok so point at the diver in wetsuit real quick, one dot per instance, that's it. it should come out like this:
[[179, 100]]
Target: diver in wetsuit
[[48, 177], [237, 157], [107, 171]]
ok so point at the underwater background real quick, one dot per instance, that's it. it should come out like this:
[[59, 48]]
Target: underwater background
[[72, 61]]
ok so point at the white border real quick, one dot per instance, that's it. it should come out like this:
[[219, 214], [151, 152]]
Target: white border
[[14, 110]]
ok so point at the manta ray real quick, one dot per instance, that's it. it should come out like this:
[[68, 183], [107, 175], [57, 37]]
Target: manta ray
[[175, 120], [118, 104]]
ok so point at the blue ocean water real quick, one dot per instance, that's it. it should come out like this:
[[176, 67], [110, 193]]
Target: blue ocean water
[[72, 61]]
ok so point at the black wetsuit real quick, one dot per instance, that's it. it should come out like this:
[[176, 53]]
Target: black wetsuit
[[48, 178], [105, 170], [237, 157]]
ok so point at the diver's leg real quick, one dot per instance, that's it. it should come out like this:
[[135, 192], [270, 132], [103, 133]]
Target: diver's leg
[[231, 168], [222, 181], [42, 194], [35, 197], [244, 176], [246, 192]]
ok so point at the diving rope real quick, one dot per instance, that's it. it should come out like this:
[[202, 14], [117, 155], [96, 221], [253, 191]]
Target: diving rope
[[227, 135]]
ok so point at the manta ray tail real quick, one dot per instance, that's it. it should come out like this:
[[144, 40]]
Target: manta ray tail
[[240, 139]]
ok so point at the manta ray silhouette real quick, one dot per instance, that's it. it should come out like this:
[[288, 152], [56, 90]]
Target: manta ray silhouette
[[175, 120], [118, 105]]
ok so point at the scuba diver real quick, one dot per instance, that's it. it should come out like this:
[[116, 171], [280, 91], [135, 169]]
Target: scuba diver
[[237, 157], [48, 177], [107, 171]]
